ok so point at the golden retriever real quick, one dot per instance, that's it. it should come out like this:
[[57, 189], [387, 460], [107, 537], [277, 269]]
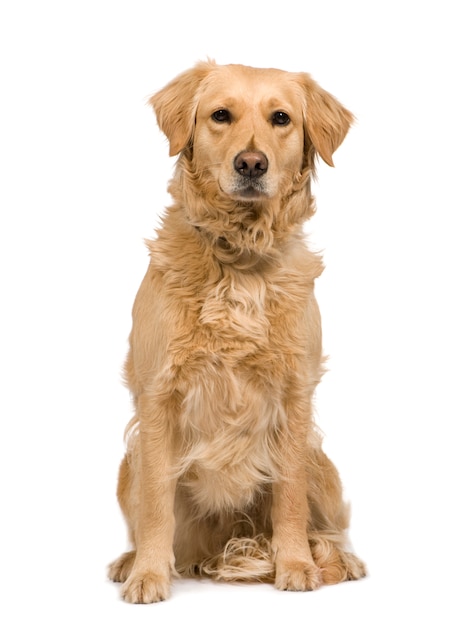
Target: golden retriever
[[224, 474]]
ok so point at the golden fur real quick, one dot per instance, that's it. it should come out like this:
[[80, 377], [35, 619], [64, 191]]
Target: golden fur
[[224, 473]]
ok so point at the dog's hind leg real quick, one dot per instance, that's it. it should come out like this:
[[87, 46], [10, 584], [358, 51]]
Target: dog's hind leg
[[329, 522]]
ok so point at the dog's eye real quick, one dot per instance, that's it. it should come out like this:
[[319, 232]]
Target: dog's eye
[[222, 115], [280, 119]]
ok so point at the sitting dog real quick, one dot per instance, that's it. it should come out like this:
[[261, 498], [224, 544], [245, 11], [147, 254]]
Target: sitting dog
[[224, 473]]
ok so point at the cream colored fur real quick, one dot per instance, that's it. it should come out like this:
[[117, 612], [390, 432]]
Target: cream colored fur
[[224, 473]]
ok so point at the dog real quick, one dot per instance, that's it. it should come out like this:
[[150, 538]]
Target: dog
[[224, 473]]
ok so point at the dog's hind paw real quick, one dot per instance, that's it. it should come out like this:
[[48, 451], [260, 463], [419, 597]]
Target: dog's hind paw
[[337, 565], [120, 569]]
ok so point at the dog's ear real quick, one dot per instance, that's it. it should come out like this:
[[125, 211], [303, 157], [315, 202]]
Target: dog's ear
[[176, 104], [326, 120]]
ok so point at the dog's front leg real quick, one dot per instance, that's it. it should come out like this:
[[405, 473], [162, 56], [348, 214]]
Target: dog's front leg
[[295, 567], [150, 577]]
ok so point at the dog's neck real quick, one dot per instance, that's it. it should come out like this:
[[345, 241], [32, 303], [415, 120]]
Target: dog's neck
[[243, 233], [240, 257]]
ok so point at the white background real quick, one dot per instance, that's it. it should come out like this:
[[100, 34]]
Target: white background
[[83, 176]]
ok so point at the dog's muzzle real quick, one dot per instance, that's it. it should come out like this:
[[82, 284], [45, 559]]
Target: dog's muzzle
[[251, 166]]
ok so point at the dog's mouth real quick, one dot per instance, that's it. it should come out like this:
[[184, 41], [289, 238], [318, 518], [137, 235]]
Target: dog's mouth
[[250, 192], [247, 190]]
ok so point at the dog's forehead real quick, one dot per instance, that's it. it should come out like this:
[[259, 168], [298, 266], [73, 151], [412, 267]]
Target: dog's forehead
[[242, 84]]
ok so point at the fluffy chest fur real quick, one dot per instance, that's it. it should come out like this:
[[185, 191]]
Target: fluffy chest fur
[[236, 340]]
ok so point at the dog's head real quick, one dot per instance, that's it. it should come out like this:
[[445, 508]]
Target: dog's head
[[252, 131]]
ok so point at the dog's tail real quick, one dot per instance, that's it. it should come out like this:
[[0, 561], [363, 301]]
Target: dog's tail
[[242, 559], [250, 559]]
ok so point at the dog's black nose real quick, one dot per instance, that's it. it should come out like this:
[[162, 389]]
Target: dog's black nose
[[250, 164]]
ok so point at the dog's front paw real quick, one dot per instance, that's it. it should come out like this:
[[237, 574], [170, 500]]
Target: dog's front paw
[[146, 587], [298, 576]]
